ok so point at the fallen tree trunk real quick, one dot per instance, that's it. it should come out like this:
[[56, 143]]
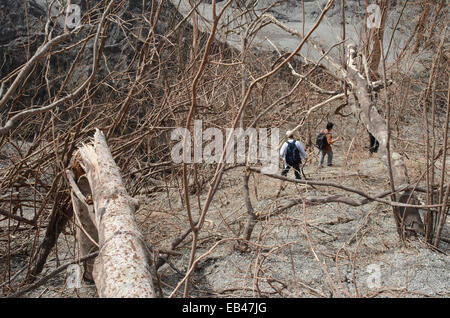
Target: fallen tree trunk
[[122, 267]]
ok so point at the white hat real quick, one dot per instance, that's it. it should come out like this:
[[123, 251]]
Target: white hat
[[289, 133]]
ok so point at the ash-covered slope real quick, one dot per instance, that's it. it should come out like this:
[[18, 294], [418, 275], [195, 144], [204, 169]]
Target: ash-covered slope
[[23, 30], [399, 25]]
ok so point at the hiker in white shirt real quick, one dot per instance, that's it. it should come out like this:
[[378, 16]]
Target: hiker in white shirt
[[292, 153]]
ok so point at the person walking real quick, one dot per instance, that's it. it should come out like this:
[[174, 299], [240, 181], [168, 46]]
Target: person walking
[[327, 150], [292, 153]]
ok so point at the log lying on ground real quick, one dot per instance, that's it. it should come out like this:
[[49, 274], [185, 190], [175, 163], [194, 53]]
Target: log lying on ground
[[121, 268]]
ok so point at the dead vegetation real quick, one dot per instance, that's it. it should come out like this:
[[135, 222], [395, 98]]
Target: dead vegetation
[[136, 72]]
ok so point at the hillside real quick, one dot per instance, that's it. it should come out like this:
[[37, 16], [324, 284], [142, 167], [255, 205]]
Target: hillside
[[141, 72]]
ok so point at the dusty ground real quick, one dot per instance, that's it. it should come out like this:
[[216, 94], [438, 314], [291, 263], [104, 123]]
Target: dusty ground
[[355, 250], [327, 34], [348, 246], [282, 262]]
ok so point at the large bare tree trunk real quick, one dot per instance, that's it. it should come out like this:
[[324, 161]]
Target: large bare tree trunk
[[121, 268], [378, 34], [365, 110]]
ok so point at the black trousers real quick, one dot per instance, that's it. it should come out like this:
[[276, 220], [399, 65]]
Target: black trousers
[[296, 167], [374, 144]]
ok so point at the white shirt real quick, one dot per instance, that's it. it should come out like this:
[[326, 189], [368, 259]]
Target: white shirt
[[299, 146]]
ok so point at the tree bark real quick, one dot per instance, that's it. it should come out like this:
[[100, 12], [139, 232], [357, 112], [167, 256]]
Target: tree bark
[[365, 110], [251, 216], [122, 268], [58, 220], [86, 232], [378, 35]]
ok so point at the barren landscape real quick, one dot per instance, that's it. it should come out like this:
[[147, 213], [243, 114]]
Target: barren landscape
[[93, 204]]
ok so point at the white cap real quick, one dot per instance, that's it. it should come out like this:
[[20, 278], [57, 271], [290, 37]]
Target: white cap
[[289, 133]]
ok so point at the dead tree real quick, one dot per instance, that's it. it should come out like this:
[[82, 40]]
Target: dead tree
[[121, 268], [364, 109]]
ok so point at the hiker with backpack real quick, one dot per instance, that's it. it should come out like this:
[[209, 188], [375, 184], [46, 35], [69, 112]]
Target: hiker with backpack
[[324, 141], [292, 153]]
